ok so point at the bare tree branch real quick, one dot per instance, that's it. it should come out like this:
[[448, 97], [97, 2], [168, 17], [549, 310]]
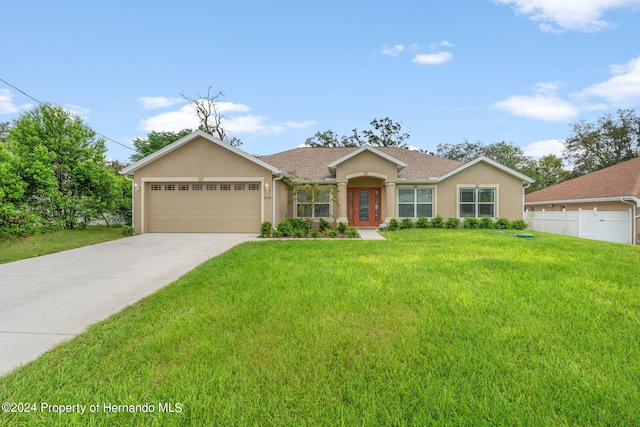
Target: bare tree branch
[[208, 111]]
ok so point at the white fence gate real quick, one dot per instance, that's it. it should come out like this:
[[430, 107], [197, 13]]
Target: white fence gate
[[612, 226]]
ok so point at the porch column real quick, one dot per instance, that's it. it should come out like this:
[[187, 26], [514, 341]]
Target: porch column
[[342, 203], [390, 204]]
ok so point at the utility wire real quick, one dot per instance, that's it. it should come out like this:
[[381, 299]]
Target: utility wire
[[42, 103]]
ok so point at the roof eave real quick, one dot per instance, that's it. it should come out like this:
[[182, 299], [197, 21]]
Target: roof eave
[[399, 163], [585, 200]]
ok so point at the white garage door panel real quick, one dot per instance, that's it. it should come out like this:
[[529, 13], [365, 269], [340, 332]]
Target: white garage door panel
[[207, 210]]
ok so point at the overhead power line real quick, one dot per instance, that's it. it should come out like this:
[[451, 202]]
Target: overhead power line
[[42, 103]]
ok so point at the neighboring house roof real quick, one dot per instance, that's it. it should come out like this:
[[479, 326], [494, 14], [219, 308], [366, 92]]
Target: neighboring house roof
[[618, 181], [179, 143], [314, 163]]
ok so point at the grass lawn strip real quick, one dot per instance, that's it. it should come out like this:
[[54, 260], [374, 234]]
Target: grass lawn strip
[[14, 249], [432, 327]]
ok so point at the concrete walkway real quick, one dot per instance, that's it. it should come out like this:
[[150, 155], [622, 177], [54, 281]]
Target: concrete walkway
[[370, 234], [49, 299]]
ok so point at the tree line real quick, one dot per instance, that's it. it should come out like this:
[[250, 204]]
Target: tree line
[[591, 146]]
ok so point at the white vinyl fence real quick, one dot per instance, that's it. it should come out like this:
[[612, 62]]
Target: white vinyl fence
[[611, 226]]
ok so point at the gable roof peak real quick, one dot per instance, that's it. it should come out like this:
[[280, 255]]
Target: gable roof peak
[[399, 163], [185, 140]]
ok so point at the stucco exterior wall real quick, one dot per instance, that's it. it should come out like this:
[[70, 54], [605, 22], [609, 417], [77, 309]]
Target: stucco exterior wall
[[509, 194], [199, 160]]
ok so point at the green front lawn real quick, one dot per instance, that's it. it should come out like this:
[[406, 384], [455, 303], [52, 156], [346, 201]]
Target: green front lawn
[[17, 248], [432, 327]]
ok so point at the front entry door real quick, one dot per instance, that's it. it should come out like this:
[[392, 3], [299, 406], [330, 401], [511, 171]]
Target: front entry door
[[364, 207]]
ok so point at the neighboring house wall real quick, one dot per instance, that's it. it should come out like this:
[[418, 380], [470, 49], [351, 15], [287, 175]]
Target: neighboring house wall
[[606, 206], [508, 197], [571, 206]]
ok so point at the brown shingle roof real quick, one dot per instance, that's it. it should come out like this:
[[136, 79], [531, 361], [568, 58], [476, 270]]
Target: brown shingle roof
[[621, 180], [312, 162]]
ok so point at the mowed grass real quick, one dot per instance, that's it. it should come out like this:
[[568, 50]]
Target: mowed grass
[[17, 248], [432, 327]]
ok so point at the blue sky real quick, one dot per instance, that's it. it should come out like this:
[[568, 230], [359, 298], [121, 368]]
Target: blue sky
[[519, 71]]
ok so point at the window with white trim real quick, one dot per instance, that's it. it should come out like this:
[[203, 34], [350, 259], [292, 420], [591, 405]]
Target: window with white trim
[[477, 202], [196, 187], [238, 187], [156, 187], [254, 187], [318, 208], [169, 187], [211, 187], [415, 202], [183, 187], [225, 187]]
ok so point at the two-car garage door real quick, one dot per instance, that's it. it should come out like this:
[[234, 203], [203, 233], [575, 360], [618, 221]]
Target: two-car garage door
[[204, 207]]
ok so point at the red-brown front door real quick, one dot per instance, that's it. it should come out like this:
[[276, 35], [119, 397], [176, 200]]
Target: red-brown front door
[[364, 207]]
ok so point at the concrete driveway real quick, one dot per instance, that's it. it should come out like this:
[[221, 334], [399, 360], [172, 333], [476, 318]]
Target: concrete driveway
[[49, 299]]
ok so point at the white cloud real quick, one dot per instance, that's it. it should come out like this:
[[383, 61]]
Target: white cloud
[[623, 88], [6, 103], [300, 125], [544, 105], [559, 15], [443, 43], [541, 107], [252, 125], [149, 102], [543, 148], [172, 121], [393, 50], [231, 107], [433, 58], [548, 88], [186, 117]]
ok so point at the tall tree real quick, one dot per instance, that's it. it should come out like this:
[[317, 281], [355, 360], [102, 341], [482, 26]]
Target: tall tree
[[155, 141], [63, 166], [547, 171], [211, 117], [385, 133], [610, 141], [329, 138], [502, 152]]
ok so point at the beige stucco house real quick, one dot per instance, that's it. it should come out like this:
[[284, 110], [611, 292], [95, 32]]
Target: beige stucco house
[[200, 184]]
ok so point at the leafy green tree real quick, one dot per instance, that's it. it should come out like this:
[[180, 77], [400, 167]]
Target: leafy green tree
[[502, 152], [462, 152], [612, 140], [548, 171], [329, 138], [13, 219], [385, 133], [63, 166], [154, 142]]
